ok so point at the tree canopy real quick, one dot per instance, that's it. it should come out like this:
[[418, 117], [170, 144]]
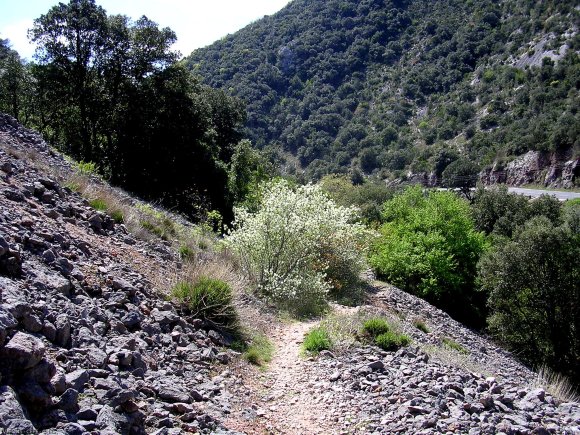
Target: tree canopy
[[429, 247], [111, 91], [533, 289]]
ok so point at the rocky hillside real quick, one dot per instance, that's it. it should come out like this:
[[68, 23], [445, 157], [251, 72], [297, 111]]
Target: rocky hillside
[[468, 385], [88, 343], [402, 88]]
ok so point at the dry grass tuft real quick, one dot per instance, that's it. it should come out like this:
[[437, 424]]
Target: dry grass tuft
[[215, 266], [30, 155], [556, 384], [449, 356]]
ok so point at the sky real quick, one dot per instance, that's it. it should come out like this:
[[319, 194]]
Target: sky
[[197, 23]]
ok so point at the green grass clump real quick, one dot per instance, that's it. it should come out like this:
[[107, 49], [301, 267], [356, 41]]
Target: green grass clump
[[73, 186], [163, 229], [98, 204], [260, 351], [452, 344], [391, 340], [375, 326], [152, 228], [208, 299], [157, 222], [186, 253], [86, 168], [118, 216], [101, 204], [421, 326], [317, 340]]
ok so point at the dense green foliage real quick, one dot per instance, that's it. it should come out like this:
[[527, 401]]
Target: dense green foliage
[[530, 275], [108, 90], [207, 299], [15, 83], [533, 283], [461, 174], [525, 276], [429, 247], [368, 196], [387, 85], [497, 212]]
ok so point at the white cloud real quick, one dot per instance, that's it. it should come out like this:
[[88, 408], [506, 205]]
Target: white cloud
[[17, 34], [197, 23]]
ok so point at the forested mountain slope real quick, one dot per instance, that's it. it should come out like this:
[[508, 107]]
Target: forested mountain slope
[[389, 86]]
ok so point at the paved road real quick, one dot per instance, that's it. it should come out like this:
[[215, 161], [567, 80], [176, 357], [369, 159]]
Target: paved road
[[534, 193]]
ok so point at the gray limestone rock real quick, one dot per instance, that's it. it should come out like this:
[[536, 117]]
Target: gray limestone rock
[[63, 331], [12, 417]]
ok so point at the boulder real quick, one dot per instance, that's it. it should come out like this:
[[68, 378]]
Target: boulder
[[23, 351]]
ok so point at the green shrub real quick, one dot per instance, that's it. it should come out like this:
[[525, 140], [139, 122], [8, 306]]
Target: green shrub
[[208, 299], [375, 326], [498, 212], [429, 247], [391, 340], [461, 174], [317, 340], [488, 75], [368, 197], [214, 221], [532, 282], [452, 344], [299, 247], [86, 168]]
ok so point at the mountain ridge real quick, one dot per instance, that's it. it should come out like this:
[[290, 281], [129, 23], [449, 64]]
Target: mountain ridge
[[398, 88]]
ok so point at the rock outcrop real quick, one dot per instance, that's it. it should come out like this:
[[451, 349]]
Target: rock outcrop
[[535, 167]]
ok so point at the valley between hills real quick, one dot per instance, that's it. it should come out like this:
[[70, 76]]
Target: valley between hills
[[348, 217]]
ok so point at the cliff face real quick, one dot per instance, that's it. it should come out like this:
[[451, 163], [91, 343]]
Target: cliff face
[[87, 343], [534, 167]]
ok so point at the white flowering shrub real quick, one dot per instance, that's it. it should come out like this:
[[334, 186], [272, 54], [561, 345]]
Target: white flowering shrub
[[299, 246]]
